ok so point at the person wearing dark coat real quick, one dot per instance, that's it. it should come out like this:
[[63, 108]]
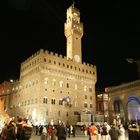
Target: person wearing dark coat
[[19, 128], [134, 132], [26, 130], [61, 132], [4, 132], [114, 133], [11, 133]]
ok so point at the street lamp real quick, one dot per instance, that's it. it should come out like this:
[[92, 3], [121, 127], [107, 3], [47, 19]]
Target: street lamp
[[131, 61]]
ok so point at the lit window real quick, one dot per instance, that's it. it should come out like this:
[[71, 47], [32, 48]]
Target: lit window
[[60, 102], [67, 85], [45, 100], [61, 83], [46, 81], [90, 89], [53, 101], [91, 105], [44, 59], [90, 97], [85, 104], [85, 88], [67, 114]]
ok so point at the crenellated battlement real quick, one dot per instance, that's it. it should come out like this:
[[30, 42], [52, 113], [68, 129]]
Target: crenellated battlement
[[46, 52], [87, 64], [44, 57], [41, 51]]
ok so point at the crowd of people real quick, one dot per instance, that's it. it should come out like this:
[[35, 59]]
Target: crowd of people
[[51, 132], [19, 130], [113, 132], [93, 131]]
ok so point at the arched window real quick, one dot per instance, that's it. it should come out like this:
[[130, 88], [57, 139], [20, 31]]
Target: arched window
[[45, 100], [46, 80], [61, 83], [53, 101], [85, 88]]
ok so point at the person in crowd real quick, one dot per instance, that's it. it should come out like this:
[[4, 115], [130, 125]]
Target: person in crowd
[[4, 132], [61, 132], [85, 129], [114, 133], [26, 130], [44, 133], [73, 131], [134, 132], [93, 131], [88, 131], [11, 133], [40, 129], [19, 128], [51, 132], [105, 131], [36, 129], [68, 130], [99, 131], [121, 132]]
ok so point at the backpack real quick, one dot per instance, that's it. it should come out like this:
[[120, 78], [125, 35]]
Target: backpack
[[104, 130], [27, 131]]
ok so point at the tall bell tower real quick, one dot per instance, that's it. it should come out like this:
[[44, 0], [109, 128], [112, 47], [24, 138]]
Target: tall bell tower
[[73, 32]]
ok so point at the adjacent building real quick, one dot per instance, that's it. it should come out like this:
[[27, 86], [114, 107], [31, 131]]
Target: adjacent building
[[124, 101]]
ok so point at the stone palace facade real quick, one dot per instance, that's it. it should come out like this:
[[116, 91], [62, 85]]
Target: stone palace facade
[[52, 87]]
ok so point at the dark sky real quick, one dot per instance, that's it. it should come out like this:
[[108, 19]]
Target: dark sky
[[111, 34]]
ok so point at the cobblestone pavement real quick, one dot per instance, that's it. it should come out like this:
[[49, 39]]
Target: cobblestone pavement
[[79, 136], [75, 138]]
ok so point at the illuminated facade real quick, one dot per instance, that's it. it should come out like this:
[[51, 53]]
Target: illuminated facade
[[53, 87], [5, 89], [124, 101], [102, 105]]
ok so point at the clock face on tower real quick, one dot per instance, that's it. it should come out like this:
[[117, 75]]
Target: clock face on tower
[[77, 58]]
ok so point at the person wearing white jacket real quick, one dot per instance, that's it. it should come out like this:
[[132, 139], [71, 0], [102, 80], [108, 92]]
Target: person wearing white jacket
[[121, 132]]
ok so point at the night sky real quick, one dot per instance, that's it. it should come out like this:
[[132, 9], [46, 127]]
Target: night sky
[[111, 34]]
